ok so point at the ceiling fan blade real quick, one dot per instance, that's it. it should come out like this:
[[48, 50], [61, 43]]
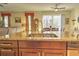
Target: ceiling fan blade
[[62, 8], [52, 7]]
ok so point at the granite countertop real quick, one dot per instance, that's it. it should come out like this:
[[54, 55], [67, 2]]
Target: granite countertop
[[40, 39]]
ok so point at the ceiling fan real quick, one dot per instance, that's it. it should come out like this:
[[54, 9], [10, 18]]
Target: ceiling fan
[[57, 8]]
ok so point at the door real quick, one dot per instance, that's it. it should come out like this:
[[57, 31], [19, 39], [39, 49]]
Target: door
[[53, 52], [29, 52]]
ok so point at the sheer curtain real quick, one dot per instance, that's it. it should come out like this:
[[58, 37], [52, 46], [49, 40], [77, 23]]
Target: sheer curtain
[[6, 24]]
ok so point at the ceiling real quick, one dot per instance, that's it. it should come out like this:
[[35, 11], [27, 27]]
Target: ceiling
[[36, 6]]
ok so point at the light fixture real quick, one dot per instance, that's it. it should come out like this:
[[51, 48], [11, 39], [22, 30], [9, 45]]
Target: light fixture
[[57, 8]]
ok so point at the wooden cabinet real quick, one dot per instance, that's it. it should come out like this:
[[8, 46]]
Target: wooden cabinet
[[8, 48], [42, 48], [73, 52], [48, 52], [28, 44], [8, 52], [73, 48], [32, 48], [29, 52], [52, 45], [73, 45], [42, 44], [40, 52], [29, 48]]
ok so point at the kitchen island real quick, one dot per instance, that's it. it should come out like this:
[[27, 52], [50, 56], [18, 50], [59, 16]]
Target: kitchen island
[[36, 47]]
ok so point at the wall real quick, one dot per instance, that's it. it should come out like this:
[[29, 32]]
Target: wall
[[66, 14], [38, 14], [75, 15], [14, 24]]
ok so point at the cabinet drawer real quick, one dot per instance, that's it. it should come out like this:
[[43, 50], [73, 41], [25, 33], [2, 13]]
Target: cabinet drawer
[[8, 52], [8, 44], [29, 52], [73, 45], [53, 52], [53, 44], [42, 44], [73, 52], [29, 44]]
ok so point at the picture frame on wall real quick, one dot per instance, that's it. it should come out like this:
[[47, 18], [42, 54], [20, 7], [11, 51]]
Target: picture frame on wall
[[67, 21], [17, 19]]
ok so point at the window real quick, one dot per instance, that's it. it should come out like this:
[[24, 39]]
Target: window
[[6, 21], [6, 25], [52, 24]]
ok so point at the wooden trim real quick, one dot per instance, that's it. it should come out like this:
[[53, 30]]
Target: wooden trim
[[5, 14], [32, 21], [27, 14]]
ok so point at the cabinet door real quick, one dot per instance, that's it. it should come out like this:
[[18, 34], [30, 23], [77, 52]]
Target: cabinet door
[[29, 52], [8, 52], [53, 52], [73, 45], [73, 52]]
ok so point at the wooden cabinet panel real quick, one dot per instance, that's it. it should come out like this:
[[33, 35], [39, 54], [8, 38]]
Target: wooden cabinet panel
[[73, 52], [73, 48], [73, 45], [42, 48], [29, 44], [42, 44], [9, 52], [53, 44], [32, 48], [8, 43], [29, 52], [8, 48], [54, 52]]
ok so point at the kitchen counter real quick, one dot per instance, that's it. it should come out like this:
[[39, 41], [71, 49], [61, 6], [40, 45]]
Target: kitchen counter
[[40, 39], [32, 47]]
